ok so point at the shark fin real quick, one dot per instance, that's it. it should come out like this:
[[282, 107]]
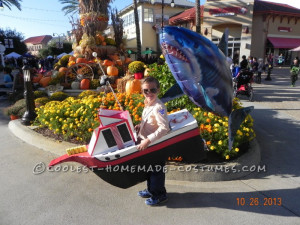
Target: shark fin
[[174, 92], [234, 122], [223, 44]]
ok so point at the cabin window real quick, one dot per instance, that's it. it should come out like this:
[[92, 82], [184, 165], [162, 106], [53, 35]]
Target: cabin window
[[123, 130], [109, 138]]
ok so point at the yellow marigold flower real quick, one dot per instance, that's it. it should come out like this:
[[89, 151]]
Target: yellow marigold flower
[[216, 125], [212, 147], [205, 114], [227, 157], [236, 149], [220, 142]]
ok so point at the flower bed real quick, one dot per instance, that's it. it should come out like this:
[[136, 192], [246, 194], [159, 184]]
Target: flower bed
[[76, 118]]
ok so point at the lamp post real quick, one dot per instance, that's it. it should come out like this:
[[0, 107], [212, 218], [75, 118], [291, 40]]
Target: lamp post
[[29, 114], [162, 10], [59, 35]]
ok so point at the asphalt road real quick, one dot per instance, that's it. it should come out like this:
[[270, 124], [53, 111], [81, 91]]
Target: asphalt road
[[73, 197]]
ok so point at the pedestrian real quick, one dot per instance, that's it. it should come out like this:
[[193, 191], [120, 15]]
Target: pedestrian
[[153, 126], [244, 63], [7, 79], [269, 67], [294, 72], [259, 70], [280, 60]]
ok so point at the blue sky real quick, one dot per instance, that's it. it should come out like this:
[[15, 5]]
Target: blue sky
[[42, 17]]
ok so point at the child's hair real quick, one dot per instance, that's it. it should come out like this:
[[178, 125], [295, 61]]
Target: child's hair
[[150, 79]]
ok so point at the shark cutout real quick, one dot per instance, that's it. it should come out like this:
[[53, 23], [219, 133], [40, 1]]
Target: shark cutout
[[202, 73]]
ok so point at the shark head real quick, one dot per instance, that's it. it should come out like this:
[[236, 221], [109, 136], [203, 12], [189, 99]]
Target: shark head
[[199, 67]]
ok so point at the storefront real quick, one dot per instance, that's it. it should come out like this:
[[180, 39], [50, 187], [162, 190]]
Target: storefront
[[256, 28]]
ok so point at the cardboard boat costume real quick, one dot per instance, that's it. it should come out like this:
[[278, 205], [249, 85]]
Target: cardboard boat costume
[[112, 152]]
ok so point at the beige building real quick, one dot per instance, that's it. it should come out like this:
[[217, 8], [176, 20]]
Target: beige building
[[256, 28], [34, 44], [150, 19]]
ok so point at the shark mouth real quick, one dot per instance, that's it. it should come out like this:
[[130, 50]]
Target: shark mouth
[[171, 50]]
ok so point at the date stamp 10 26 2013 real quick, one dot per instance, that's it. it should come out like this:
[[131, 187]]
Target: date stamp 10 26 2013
[[259, 201]]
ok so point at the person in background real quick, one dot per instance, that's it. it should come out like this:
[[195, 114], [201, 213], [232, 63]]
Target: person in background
[[8, 78], [294, 72], [244, 63], [259, 70]]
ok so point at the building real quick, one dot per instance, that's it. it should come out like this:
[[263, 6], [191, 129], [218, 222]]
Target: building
[[150, 20], [256, 28], [35, 43]]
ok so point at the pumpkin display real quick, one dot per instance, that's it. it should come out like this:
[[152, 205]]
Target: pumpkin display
[[63, 70], [36, 79], [81, 60], [45, 81], [133, 86], [107, 62], [72, 58], [85, 84], [75, 85], [112, 71]]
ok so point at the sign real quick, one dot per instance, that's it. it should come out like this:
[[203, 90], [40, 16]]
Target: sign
[[228, 11], [285, 29]]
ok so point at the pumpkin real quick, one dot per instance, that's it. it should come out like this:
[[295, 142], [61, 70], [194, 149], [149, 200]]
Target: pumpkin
[[75, 85], [103, 43], [71, 63], [127, 60], [133, 86], [119, 62], [36, 79], [45, 81], [81, 60], [85, 84], [63, 70], [72, 58], [107, 62], [112, 71]]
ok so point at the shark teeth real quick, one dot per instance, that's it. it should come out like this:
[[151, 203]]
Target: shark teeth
[[171, 50]]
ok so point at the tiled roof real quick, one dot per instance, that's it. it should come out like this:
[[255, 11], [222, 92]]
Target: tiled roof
[[275, 8], [38, 39], [187, 15]]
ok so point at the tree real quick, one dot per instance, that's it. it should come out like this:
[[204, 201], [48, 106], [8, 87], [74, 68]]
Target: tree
[[198, 23], [138, 33], [10, 3], [72, 6], [117, 24], [18, 44]]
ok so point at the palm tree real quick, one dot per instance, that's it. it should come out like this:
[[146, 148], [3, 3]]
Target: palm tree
[[10, 3], [198, 23], [71, 6], [138, 33]]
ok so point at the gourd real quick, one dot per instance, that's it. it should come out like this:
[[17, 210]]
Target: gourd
[[75, 85], [85, 84], [107, 62], [112, 71], [133, 86]]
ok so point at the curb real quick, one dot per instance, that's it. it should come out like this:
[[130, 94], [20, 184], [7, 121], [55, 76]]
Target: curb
[[244, 165]]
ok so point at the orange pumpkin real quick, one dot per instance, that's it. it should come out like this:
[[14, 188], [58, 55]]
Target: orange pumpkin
[[119, 62], [112, 71], [133, 86], [45, 81], [63, 70], [72, 58], [127, 60], [107, 62], [71, 63], [85, 84], [36, 79], [81, 60]]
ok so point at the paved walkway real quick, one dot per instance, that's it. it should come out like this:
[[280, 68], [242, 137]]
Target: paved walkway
[[267, 197]]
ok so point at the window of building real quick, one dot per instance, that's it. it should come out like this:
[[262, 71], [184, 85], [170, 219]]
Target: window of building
[[148, 15]]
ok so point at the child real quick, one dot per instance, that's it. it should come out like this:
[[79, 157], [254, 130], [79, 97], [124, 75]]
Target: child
[[154, 125]]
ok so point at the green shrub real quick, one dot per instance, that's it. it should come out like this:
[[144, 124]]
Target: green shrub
[[15, 108], [42, 100], [87, 93], [58, 96], [94, 84]]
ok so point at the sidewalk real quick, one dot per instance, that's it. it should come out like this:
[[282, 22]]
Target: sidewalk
[[70, 198]]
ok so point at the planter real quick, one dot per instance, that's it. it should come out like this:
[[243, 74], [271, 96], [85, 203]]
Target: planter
[[139, 75], [13, 117]]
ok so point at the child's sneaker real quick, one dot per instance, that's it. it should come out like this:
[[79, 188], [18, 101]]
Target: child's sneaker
[[144, 194], [156, 200]]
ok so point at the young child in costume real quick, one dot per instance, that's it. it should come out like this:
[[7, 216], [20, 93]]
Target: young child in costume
[[153, 126]]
